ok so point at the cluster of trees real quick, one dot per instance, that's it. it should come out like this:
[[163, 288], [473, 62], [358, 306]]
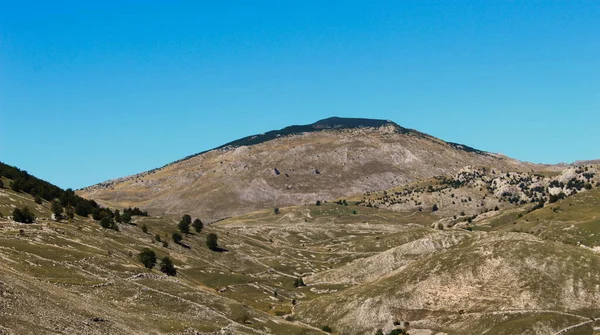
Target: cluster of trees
[[148, 258], [40, 189], [186, 221], [184, 227], [23, 215]]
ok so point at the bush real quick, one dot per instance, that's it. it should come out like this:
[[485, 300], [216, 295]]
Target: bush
[[126, 217], [186, 218], [23, 215], [145, 229], [176, 237], [108, 223], [157, 238], [166, 266], [1, 184], [318, 203], [16, 185], [211, 242], [198, 225], [148, 258], [434, 208], [326, 329], [96, 214], [38, 200], [298, 282], [276, 211]]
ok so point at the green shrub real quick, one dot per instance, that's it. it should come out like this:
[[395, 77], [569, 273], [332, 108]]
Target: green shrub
[[166, 266], [148, 258], [23, 215]]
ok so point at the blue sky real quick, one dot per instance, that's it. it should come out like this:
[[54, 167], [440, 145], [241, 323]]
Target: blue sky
[[94, 91]]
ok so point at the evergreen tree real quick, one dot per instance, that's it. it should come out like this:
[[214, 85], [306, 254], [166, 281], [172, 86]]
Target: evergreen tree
[[211, 242], [186, 218], [126, 217], [96, 214], [166, 266], [148, 258], [145, 228], [23, 215], [57, 209], [1, 184], [117, 216], [198, 225], [70, 211], [176, 237], [184, 226], [16, 185], [108, 223]]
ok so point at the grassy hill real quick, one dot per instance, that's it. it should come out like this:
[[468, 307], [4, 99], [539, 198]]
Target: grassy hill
[[365, 268]]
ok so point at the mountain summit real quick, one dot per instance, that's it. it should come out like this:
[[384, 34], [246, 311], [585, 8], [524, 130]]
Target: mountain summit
[[331, 158]]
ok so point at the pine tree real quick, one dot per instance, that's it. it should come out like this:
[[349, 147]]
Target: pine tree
[[176, 237], [166, 266], [57, 209], [198, 225], [184, 226], [211, 242]]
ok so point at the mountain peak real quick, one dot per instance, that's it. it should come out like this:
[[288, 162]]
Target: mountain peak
[[341, 122]]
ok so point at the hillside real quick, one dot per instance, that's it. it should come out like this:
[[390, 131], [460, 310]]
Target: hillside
[[297, 165], [365, 268]]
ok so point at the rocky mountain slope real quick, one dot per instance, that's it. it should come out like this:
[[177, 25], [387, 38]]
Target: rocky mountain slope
[[296, 165]]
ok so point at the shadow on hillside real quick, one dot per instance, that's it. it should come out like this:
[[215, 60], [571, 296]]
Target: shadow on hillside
[[184, 245], [219, 249]]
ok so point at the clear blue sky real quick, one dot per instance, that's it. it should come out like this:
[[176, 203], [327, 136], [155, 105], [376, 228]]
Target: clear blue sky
[[90, 92]]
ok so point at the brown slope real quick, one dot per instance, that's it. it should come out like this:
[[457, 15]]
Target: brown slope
[[299, 164]]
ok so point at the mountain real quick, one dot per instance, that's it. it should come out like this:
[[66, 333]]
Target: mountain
[[328, 159]]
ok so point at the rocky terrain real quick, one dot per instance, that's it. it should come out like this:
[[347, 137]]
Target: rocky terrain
[[296, 165], [345, 226]]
